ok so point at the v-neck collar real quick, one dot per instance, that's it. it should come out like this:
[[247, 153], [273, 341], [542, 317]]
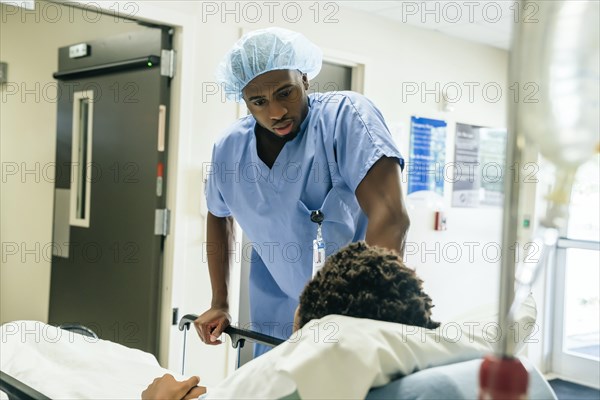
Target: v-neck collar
[[273, 174]]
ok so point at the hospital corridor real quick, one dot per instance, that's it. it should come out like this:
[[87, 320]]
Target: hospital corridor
[[386, 199]]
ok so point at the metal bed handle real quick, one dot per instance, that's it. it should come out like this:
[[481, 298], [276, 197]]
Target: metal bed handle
[[17, 390], [238, 336], [78, 328]]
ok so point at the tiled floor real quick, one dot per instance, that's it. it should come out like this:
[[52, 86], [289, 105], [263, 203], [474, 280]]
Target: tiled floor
[[571, 391]]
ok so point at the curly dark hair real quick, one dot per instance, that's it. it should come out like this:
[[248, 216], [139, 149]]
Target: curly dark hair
[[367, 282]]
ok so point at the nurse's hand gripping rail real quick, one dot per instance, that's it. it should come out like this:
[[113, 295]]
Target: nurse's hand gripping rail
[[238, 336]]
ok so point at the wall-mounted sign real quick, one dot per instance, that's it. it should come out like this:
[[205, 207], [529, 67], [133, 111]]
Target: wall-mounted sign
[[427, 157], [479, 156]]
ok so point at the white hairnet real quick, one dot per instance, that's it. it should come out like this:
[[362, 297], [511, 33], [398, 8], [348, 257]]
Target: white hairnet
[[266, 50]]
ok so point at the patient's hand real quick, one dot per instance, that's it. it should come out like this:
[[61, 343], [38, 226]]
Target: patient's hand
[[195, 392], [167, 388]]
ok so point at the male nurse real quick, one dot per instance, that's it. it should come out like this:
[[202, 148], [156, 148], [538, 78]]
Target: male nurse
[[303, 175]]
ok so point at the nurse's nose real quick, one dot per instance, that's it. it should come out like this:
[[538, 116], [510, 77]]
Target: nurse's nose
[[277, 111]]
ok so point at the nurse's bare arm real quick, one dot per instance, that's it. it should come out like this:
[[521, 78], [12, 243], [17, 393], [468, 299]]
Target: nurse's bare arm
[[380, 197], [219, 239]]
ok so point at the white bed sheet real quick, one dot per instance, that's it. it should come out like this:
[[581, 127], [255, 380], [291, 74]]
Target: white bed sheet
[[66, 365], [334, 357]]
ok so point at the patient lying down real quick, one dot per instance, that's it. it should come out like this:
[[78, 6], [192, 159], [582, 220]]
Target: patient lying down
[[358, 281]]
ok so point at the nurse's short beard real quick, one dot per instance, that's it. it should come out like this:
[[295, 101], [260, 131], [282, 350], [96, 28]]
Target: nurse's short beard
[[273, 136]]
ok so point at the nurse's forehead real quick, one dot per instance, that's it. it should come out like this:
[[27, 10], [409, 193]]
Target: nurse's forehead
[[270, 83]]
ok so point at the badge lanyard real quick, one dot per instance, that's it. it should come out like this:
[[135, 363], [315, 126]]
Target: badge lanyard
[[318, 244]]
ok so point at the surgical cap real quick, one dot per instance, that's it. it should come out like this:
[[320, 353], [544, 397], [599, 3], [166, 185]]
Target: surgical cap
[[266, 50]]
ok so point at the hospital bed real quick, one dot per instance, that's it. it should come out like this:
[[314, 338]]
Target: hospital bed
[[387, 364], [453, 381]]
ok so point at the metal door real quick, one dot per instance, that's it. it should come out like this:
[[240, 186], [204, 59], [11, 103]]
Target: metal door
[[111, 158], [332, 78]]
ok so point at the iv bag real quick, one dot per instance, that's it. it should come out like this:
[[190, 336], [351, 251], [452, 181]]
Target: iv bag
[[559, 80]]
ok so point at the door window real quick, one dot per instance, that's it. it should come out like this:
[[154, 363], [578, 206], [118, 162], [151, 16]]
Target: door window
[[81, 155]]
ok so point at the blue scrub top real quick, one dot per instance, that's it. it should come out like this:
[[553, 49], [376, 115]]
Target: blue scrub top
[[341, 138]]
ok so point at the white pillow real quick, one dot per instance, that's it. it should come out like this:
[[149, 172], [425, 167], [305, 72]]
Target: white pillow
[[523, 331]]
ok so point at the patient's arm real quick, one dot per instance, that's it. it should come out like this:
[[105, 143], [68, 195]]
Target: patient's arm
[[167, 388]]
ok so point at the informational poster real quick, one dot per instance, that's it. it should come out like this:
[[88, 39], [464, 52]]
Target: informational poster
[[479, 156], [465, 192], [427, 157]]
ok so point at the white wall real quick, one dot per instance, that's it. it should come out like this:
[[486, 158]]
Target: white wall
[[392, 54]]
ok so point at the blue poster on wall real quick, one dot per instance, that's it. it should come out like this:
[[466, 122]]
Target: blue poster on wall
[[427, 156]]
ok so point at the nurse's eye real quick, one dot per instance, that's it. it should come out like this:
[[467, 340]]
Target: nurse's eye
[[259, 102], [285, 93]]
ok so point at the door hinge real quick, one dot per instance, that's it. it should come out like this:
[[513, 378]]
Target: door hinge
[[162, 221], [167, 63]]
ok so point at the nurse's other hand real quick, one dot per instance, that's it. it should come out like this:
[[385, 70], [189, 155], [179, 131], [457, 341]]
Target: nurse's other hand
[[167, 387], [211, 324]]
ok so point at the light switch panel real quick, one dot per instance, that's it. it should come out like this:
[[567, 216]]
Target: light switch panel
[[79, 50]]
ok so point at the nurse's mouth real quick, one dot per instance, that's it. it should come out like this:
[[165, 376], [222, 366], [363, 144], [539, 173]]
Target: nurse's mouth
[[284, 129]]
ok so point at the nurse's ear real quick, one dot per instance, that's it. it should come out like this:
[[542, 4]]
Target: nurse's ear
[[305, 81]]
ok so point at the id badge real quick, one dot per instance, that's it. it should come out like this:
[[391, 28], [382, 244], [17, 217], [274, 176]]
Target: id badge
[[318, 255], [318, 244]]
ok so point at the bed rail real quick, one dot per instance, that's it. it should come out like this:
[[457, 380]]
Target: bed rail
[[17, 390], [238, 336]]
